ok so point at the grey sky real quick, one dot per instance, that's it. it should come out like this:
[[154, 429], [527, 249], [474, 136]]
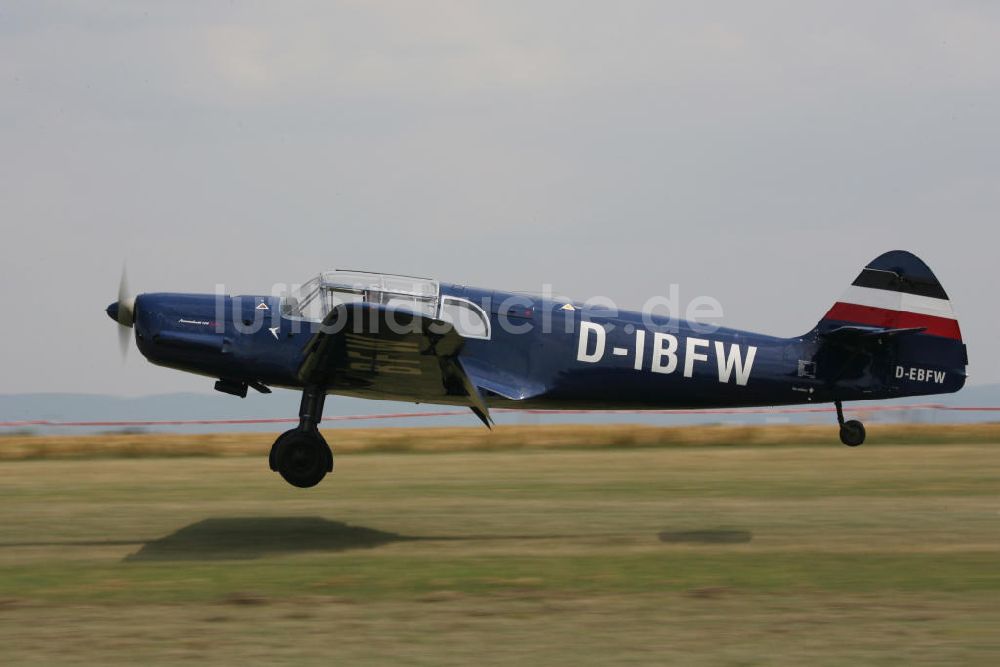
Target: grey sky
[[760, 153]]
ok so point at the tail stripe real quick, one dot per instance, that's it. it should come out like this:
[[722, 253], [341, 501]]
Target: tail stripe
[[878, 298]]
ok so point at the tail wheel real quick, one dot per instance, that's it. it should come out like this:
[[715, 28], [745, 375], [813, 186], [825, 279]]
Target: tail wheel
[[852, 433]]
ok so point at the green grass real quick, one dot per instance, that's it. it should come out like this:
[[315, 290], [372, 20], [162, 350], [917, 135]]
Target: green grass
[[888, 554]]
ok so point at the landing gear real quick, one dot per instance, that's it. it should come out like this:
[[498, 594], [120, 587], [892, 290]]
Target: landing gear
[[852, 433], [301, 456]]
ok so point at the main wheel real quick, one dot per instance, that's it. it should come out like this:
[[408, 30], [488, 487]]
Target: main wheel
[[302, 458], [852, 433]]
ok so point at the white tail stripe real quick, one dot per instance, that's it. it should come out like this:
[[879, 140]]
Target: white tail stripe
[[911, 303]]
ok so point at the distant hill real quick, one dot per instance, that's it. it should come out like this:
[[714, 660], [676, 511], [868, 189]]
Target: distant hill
[[183, 406]]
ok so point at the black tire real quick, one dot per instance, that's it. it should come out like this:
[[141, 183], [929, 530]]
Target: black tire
[[852, 433], [272, 458], [302, 458]]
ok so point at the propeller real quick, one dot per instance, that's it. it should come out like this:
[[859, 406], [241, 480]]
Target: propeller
[[123, 312]]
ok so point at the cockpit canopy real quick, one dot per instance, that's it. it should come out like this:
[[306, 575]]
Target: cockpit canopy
[[317, 297]]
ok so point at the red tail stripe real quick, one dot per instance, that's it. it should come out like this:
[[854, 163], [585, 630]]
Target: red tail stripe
[[882, 317]]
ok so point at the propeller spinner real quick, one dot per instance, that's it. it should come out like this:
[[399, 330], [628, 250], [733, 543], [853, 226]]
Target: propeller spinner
[[123, 312]]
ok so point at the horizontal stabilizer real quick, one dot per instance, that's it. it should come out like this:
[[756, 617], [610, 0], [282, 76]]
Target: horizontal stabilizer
[[853, 332]]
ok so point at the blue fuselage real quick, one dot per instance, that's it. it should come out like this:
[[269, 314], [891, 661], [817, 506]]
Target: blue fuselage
[[560, 355]]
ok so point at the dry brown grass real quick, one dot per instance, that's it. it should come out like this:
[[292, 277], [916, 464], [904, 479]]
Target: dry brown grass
[[454, 439]]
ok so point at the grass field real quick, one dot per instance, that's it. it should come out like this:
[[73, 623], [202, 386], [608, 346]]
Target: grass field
[[626, 551]]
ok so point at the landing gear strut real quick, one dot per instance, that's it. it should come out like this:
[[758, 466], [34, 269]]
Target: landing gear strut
[[852, 433], [301, 456]]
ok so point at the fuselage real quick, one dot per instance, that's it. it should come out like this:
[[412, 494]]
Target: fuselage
[[562, 355]]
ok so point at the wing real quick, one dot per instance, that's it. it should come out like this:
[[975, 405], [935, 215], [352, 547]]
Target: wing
[[391, 353]]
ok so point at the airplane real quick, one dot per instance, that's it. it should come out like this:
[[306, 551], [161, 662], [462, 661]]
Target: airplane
[[893, 334]]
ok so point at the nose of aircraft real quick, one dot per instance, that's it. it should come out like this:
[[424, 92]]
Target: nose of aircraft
[[112, 311]]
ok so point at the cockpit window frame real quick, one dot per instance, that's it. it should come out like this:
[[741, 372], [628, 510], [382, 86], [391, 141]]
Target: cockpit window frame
[[470, 306]]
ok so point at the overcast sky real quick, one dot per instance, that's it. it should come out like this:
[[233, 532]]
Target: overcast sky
[[760, 153]]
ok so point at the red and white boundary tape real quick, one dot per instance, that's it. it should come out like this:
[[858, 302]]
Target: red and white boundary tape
[[450, 413]]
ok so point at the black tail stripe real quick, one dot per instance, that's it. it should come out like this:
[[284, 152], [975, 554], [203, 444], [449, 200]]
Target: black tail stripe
[[891, 281]]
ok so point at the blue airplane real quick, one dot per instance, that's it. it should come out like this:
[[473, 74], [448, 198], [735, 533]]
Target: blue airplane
[[401, 338]]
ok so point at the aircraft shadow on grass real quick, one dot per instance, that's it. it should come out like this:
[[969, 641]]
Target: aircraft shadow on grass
[[258, 537]]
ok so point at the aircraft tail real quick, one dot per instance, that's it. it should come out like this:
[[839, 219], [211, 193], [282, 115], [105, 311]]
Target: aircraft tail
[[897, 318]]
